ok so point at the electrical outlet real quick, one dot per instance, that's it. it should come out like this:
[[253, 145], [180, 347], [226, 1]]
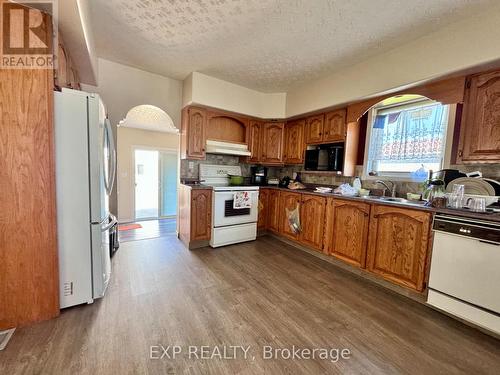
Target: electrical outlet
[[191, 165]]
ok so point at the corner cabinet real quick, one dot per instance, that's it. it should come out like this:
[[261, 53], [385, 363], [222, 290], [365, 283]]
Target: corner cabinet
[[195, 216], [194, 123], [398, 245], [272, 143], [480, 129], [346, 230], [294, 142]]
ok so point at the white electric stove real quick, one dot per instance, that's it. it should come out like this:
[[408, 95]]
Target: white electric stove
[[230, 225]]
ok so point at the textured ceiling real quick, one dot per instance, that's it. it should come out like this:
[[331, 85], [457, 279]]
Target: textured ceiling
[[268, 45]]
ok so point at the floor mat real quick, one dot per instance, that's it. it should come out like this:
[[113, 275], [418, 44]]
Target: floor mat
[[129, 226]]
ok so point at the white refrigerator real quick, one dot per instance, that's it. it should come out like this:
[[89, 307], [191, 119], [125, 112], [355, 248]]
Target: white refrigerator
[[85, 173]]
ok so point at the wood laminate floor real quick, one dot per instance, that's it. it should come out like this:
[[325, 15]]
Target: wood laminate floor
[[258, 293], [149, 229]]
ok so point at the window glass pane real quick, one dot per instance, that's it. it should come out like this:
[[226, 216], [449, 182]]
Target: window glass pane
[[406, 137]]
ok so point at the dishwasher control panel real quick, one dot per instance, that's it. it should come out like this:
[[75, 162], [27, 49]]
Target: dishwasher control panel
[[479, 229]]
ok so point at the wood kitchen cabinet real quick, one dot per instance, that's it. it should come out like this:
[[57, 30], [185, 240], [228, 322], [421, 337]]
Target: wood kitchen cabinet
[[288, 201], [334, 129], [273, 213], [255, 142], [66, 74], [480, 128], [398, 245], [314, 129], [272, 143], [312, 216], [263, 208], [195, 216], [294, 142], [346, 230], [193, 127]]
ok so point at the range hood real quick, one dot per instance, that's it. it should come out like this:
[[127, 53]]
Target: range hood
[[227, 148]]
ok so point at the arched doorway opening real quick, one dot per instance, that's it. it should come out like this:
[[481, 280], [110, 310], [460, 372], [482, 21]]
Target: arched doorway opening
[[148, 163]]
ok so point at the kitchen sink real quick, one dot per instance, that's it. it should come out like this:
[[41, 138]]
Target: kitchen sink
[[396, 200]]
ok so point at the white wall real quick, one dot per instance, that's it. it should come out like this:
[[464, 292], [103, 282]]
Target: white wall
[[123, 87], [470, 42], [202, 89]]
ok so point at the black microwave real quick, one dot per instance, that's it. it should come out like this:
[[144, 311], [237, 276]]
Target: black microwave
[[327, 157]]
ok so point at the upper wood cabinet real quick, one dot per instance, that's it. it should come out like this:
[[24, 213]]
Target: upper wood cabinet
[[312, 216], [288, 201], [314, 129], [398, 245], [273, 213], [201, 214], [334, 129], [294, 142], [263, 208], [194, 122], [255, 141], [346, 230], [66, 74], [480, 129], [272, 143]]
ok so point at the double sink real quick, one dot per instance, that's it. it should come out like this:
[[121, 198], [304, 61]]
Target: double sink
[[395, 200]]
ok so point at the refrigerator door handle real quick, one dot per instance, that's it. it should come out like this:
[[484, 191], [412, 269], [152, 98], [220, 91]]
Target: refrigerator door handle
[[111, 224], [112, 151]]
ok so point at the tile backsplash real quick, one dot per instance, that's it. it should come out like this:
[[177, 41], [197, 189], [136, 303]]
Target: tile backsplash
[[402, 187], [186, 172]]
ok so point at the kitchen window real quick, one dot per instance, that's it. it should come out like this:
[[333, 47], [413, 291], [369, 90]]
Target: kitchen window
[[407, 137]]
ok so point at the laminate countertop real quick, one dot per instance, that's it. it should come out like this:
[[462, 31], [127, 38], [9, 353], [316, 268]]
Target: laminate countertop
[[488, 216]]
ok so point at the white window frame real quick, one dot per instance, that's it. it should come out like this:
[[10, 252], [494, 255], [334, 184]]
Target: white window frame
[[406, 176]]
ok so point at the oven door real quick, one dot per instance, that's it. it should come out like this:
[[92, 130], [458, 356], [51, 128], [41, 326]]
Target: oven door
[[224, 214]]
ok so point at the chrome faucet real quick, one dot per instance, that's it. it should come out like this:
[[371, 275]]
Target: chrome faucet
[[392, 189]]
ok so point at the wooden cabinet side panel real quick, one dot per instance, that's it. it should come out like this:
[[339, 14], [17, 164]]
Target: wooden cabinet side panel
[[29, 275], [184, 214]]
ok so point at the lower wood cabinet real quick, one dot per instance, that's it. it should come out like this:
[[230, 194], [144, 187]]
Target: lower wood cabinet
[[273, 213], [398, 245], [288, 201], [195, 216], [312, 216], [346, 230], [263, 208]]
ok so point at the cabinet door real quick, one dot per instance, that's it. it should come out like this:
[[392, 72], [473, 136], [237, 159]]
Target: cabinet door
[[346, 230], [334, 128], [288, 201], [294, 142], [255, 142], [398, 245], [314, 129], [272, 140], [480, 138], [201, 214], [273, 218], [312, 216], [197, 119], [263, 208]]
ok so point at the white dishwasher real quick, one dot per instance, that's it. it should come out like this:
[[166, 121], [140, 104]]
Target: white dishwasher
[[465, 270]]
